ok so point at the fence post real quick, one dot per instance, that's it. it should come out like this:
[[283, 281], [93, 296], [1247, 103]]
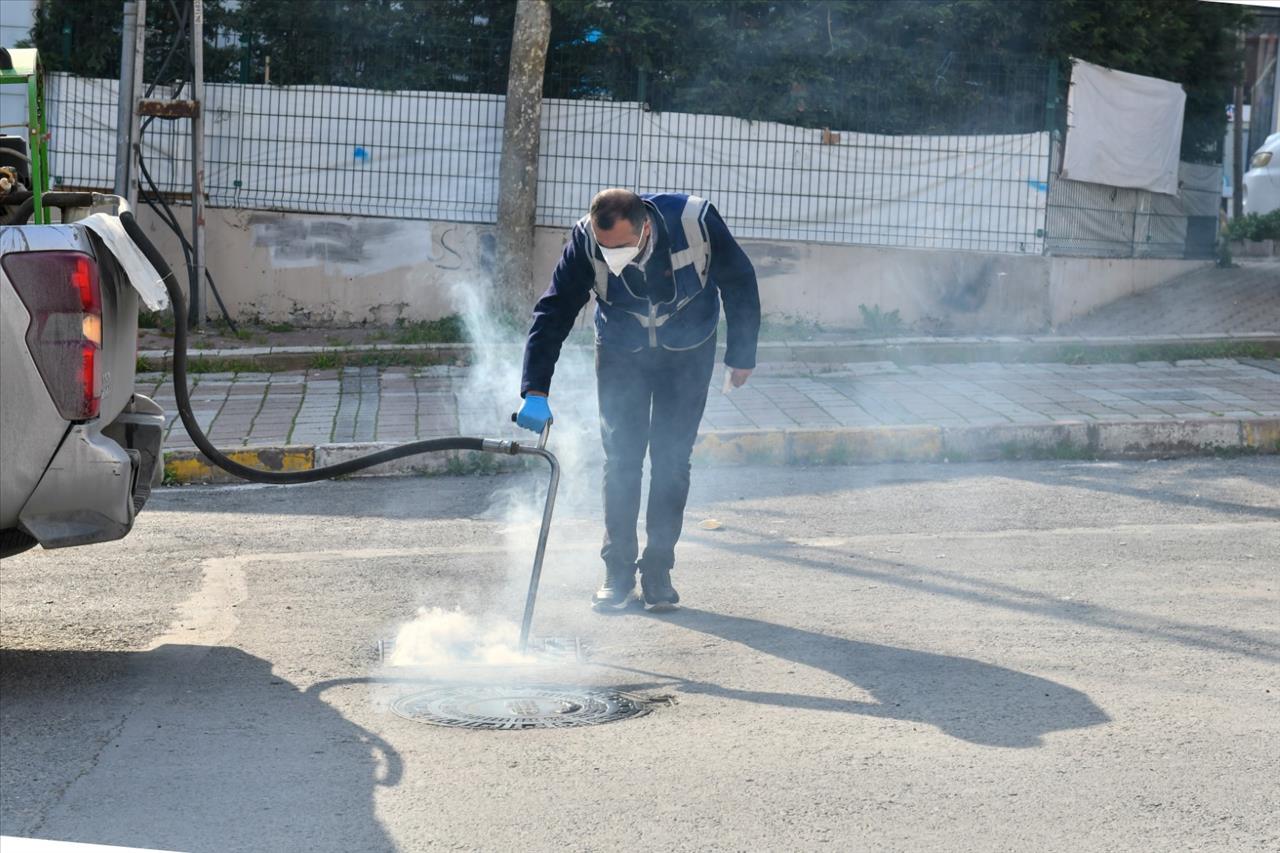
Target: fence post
[[641, 94], [1051, 98], [1051, 127], [238, 182], [245, 59]]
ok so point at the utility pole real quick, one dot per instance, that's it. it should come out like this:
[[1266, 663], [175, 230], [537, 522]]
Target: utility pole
[[168, 109], [518, 168], [125, 98], [1237, 138], [1275, 97], [135, 96], [196, 316]]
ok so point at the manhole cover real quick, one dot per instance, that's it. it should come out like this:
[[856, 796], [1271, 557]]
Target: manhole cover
[[518, 707]]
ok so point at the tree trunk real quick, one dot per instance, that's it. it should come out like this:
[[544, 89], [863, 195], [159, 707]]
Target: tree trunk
[[518, 172]]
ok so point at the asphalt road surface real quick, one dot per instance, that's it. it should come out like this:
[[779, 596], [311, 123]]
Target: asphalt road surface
[[1045, 656]]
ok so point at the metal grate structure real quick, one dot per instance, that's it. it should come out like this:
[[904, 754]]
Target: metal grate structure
[[891, 168]]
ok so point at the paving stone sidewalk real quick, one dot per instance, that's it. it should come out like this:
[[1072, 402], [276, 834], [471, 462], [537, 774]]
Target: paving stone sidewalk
[[365, 404], [1242, 299]]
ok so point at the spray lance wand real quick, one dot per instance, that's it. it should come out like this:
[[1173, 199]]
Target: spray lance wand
[[178, 303]]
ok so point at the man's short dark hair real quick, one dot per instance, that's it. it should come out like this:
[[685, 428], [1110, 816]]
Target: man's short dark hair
[[611, 205]]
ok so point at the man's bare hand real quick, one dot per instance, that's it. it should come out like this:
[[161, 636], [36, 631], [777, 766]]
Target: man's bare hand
[[738, 376]]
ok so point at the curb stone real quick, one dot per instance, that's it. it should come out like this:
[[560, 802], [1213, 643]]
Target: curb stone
[[915, 350], [840, 446], [191, 466]]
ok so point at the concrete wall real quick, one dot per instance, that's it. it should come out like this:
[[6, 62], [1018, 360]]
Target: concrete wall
[[1078, 285], [932, 290], [331, 270]]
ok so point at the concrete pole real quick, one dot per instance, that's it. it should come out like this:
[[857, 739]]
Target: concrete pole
[[198, 301], [1275, 87], [139, 65], [124, 99], [518, 170], [1237, 156]]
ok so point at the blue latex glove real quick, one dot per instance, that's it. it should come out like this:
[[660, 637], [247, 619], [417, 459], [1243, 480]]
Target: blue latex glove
[[534, 414]]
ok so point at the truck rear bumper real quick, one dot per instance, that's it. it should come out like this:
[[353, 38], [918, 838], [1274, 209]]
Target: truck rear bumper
[[98, 479]]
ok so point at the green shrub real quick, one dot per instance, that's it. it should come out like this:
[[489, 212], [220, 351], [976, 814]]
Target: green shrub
[[1255, 226], [886, 324], [446, 330]]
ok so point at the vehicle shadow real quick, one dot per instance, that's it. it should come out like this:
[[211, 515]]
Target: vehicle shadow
[[965, 698], [192, 748]]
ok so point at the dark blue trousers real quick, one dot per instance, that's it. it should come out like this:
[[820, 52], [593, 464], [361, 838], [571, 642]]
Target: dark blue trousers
[[649, 400]]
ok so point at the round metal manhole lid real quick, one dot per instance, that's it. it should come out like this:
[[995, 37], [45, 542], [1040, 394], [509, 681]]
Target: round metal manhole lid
[[518, 707]]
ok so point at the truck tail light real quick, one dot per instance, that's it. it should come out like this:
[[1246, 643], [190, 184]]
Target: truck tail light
[[63, 295]]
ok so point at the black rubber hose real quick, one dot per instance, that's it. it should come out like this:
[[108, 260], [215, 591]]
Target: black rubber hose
[[178, 303], [57, 198], [167, 216], [22, 214]]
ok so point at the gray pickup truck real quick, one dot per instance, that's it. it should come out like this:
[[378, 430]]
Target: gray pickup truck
[[80, 450]]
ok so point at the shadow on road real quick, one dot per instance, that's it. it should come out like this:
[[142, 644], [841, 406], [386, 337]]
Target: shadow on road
[[191, 748], [974, 701], [1185, 492], [958, 585]]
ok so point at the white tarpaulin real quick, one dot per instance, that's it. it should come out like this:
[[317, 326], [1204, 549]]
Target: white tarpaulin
[[1123, 130]]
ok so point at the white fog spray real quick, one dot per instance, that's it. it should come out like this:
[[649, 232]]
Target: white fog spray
[[439, 637]]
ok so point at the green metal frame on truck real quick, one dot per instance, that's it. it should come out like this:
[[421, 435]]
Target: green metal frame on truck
[[26, 71]]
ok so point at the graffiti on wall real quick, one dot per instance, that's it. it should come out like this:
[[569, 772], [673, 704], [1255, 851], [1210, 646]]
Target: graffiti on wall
[[356, 248]]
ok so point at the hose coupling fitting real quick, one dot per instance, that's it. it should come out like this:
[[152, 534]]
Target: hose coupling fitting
[[494, 445]]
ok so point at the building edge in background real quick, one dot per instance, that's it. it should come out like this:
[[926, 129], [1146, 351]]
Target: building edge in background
[[16, 19]]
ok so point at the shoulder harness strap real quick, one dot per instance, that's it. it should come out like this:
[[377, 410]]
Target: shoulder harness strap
[[602, 270], [698, 253]]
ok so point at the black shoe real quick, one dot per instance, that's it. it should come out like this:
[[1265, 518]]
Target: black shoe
[[659, 595], [618, 590]]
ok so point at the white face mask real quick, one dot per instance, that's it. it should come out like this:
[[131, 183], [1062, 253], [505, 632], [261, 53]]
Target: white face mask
[[617, 259]]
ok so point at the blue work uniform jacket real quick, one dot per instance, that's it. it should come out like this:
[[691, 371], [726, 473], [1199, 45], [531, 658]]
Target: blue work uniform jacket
[[672, 302]]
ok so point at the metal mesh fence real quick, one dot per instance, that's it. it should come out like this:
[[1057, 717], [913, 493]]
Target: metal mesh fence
[[1093, 220], [948, 155], [968, 168], [424, 155], [776, 181]]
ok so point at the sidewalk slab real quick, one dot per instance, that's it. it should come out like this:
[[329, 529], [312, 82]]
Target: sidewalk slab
[[864, 412]]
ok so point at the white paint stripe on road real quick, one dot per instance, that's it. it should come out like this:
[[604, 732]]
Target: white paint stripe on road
[[208, 616]]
